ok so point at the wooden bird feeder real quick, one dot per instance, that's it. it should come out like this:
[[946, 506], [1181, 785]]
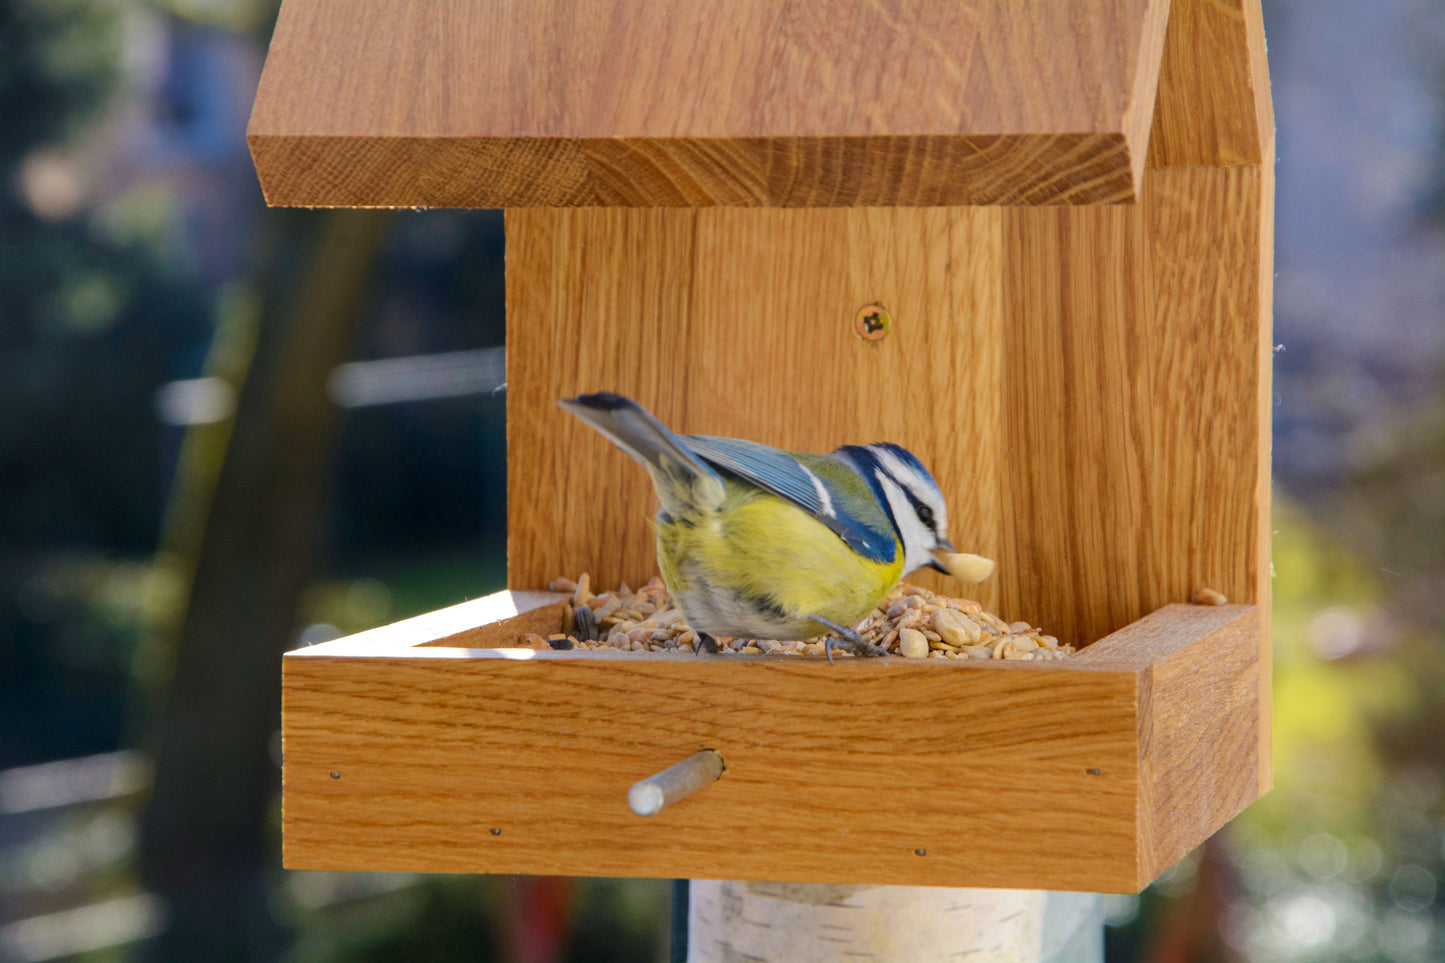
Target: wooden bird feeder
[[1066, 210]]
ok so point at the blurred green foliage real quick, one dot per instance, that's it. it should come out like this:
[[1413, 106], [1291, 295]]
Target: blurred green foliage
[[87, 323], [455, 918], [59, 62]]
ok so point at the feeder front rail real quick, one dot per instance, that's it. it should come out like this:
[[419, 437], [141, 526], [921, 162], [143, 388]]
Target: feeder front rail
[[421, 746]]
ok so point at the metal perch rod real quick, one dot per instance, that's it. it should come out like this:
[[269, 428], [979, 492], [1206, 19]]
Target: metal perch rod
[[648, 796]]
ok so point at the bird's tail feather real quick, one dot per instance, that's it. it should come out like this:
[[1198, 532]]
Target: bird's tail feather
[[634, 429]]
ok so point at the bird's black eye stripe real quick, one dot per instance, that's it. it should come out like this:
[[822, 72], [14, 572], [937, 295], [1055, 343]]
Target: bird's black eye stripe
[[878, 474], [925, 513]]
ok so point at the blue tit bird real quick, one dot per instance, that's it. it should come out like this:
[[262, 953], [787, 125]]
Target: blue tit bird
[[756, 542]]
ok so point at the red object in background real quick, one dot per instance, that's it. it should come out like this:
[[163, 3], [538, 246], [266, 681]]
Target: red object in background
[[1190, 931], [535, 913]]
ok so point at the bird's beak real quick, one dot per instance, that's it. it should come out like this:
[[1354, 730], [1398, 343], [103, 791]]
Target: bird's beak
[[944, 547]]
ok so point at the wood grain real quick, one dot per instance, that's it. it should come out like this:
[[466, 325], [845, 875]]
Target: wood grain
[[1213, 105], [775, 103], [1203, 743], [1090, 383], [1264, 579], [1086, 383], [1134, 405], [1204, 731], [833, 773], [741, 323]]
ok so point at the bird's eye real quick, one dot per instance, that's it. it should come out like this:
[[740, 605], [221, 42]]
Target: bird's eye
[[925, 515]]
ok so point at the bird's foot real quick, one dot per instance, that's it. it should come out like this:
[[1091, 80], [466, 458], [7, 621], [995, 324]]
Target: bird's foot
[[854, 643], [847, 640], [586, 624], [706, 643]]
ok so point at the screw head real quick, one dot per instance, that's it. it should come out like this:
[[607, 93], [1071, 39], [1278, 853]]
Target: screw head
[[872, 322]]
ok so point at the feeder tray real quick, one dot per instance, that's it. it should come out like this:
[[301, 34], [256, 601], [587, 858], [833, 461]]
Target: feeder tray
[[424, 746], [1063, 310]]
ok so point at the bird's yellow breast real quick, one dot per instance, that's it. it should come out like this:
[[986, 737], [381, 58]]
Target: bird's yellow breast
[[761, 566]]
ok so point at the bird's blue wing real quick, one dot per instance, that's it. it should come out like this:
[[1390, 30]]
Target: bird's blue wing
[[768, 468], [778, 472]]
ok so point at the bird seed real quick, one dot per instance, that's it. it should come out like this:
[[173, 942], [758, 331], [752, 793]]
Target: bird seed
[[912, 622]]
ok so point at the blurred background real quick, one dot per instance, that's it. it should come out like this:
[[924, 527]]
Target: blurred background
[[226, 431]]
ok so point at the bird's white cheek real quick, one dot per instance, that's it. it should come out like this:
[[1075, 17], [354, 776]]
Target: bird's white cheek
[[917, 539]]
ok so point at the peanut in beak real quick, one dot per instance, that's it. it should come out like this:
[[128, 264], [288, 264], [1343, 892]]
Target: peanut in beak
[[965, 567]]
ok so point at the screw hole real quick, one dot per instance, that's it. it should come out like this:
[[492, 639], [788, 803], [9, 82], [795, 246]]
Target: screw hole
[[872, 322]]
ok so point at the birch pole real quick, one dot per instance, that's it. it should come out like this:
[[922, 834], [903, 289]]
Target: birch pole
[[790, 922]]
